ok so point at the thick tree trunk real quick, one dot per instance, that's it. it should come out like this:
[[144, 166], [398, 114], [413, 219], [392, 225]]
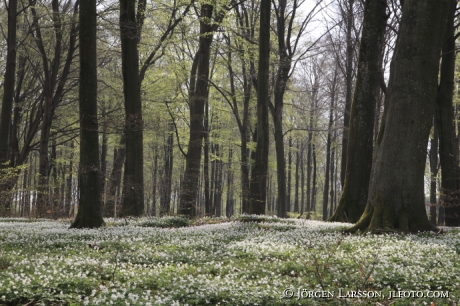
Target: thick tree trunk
[[90, 209], [450, 185], [133, 179], [259, 173], [8, 91], [360, 140], [396, 193]]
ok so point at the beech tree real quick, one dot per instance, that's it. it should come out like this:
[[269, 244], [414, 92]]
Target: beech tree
[[7, 100], [258, 182], [90, 209], [396, 193], [360, 137], [450, 185], [210, 17]]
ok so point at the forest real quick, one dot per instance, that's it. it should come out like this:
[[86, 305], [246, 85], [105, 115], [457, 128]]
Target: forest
[[199, 139], [194, 109]]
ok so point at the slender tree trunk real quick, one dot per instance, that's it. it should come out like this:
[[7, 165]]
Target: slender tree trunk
[[68, 195], [230, 187], [90, 209], [119, 154], [288, 195], [360, 140], [433, 174], [328, 147], [165, 205], [313, 187], [297, 181], [396, 193], [219, 179], [103, 159], [207, 200], [198, 95], [153, 208], [302, 179], [349, 83]]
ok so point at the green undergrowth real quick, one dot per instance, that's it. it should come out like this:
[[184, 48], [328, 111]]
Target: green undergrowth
[[176, 261]]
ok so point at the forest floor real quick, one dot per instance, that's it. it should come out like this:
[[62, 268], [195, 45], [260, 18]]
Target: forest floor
[[169, 261]]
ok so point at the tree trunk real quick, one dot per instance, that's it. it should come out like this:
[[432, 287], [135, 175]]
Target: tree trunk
[[258, 182], [360, 140], [119, 154], [450, 185], [230, 187], [288, 195], [90, 210], [7, 184], [8, 94], [302, 179], [198, 95], [165, 204], [69, 183], [218, 187], [133, 179], [207, 199], [296, 193], [396, 193], [349, 83], [433, 173], [313, 187], [103, 159], [153, 208], [328, 147]]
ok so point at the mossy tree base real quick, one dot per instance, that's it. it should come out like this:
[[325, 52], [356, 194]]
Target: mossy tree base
[[383, 218], [396, 198]]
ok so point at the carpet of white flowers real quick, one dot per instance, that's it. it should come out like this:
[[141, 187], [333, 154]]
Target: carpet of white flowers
[[274, 262]]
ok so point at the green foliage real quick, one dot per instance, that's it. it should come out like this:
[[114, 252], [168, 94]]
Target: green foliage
[[165, 222]]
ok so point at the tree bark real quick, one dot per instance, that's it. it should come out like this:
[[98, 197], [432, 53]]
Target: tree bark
[[119, 154], [396, 194], [8, 90], [230, 187], [450, 185], [433, 173], [133, 179], [258, 182], [349, 89], [198, 95], [360, 140], [90, 209]]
